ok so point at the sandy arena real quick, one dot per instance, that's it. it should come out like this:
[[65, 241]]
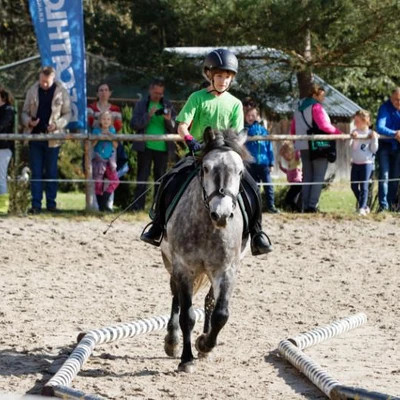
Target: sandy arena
[[59, 277]]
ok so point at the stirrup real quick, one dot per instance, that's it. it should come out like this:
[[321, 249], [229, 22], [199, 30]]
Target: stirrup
[[144, 237], [255, 250]]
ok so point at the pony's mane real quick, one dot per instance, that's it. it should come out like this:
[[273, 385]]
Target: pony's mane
[[227, 139]]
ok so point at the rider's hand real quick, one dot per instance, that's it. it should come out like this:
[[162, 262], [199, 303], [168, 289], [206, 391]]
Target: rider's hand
[[192, 143]]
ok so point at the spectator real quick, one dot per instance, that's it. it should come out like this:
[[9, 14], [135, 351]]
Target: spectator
[[47, 110], [364, 145], [152, 115], [263, 156], [94, 110], [249, 103], [101, 105], [311, 111], [388, 124], [104, 162], [6, 147], [293, 174]]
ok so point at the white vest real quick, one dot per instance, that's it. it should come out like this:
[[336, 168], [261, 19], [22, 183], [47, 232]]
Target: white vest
[[301, 127]]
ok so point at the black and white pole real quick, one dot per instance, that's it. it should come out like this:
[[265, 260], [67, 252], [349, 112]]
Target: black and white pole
[[59, 384], [291, 350]]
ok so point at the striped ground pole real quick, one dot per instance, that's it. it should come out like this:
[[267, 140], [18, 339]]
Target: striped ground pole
[[308, 367], [70, 369], [291, 348], [319, 335]]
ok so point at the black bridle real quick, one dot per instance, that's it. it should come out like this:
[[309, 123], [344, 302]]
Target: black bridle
[[221, 192]]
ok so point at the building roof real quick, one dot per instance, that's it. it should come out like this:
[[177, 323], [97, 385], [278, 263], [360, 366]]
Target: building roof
[[269, 69]]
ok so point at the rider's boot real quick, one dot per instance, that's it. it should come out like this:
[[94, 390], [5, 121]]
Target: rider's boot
[[155, 234], [260, 243]]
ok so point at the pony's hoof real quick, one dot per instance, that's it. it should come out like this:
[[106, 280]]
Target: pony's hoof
[[187, 367], [205, 356], [201, 345], [171, 346], [171, 350]]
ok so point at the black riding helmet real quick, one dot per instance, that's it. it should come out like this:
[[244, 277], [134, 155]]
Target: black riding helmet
[[220, 59]]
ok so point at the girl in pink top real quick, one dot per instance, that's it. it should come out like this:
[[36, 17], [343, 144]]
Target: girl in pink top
[[310, 110], [293, 174]]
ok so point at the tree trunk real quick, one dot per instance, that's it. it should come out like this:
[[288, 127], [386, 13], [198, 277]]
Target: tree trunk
[[304, 77], [304, 81]]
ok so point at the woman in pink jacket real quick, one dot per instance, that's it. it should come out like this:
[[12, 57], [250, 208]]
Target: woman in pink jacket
[[309, 111]]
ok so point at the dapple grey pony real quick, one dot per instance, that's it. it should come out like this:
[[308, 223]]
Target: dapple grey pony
[[203, 242]]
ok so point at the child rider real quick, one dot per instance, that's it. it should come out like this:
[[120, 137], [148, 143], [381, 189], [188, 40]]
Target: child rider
[[215, 107]]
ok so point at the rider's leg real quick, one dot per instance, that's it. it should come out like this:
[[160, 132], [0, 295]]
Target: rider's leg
[[260, 243], [165, 195]]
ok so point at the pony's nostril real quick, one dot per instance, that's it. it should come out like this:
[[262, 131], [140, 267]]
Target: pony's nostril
[[231, 216], [214, 216]]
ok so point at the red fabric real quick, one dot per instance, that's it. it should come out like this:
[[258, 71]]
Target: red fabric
[[94, 113]]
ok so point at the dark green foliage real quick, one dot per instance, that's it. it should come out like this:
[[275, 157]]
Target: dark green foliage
[[70, 165], [18, 189]]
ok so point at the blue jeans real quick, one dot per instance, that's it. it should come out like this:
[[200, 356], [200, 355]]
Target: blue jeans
[[43, 164], [389, 168], [260, 173], [360, 175]]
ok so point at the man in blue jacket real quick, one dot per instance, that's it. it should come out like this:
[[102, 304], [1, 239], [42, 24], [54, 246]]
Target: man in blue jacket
[[388, 124]]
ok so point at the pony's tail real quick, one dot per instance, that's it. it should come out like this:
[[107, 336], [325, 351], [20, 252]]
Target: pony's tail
[[200, 282]]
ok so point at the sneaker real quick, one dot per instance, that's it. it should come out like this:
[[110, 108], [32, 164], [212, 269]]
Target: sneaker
[[273, 210], [311, 210], [363, 211], [34, 211], [54, 210]]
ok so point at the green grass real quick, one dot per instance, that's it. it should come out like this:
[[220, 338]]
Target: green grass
[[337, 199], [72, 201]]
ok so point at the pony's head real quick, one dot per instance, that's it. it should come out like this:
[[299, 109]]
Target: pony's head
[[222, 167]]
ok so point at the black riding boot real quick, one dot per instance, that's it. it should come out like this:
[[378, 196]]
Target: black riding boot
[[155, 233], [169, 188], [106, 197], [100, 203], [260, 242]]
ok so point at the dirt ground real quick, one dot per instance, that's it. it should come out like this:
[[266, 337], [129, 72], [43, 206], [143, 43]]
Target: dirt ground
[[59, 277]]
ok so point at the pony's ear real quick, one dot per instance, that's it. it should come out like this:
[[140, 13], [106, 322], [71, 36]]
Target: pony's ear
[[208, 135], [242, 137]]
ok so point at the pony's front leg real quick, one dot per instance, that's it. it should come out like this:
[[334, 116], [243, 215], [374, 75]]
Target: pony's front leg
[[187, 319], [219, 317], [171, 341], [209, 303]]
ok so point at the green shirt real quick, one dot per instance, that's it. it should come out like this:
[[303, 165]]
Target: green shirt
[[203, 109], [156, 126]]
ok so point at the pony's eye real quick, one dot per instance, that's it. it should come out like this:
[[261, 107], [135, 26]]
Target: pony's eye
[[205, 170], [241, 173]]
